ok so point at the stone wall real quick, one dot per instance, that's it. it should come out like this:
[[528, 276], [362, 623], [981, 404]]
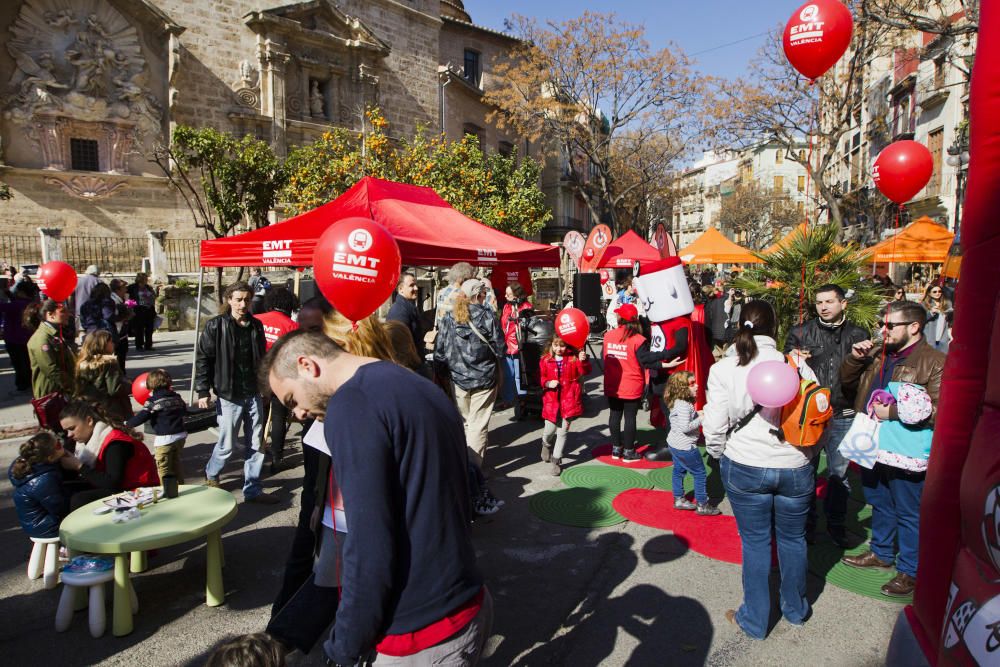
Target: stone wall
[[139, 203]]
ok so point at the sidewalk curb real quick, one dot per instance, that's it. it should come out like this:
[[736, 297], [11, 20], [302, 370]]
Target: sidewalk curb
[[8, 431]]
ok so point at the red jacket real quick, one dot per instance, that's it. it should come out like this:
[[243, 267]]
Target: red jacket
[[624, 376], [276, 324], [141, 467], [566, 400], [508, 322]]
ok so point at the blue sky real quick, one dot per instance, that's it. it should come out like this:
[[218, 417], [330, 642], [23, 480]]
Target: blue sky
[[696, 25]]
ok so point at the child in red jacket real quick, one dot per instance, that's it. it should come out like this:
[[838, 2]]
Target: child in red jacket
[[562, 368]]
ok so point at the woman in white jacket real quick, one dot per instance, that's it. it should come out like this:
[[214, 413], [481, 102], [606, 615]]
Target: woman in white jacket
[[764, 476]]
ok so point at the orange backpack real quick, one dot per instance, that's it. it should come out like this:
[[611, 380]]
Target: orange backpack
[[804, 419]]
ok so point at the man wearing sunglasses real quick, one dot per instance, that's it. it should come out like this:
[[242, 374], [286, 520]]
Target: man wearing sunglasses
[[893, 487]]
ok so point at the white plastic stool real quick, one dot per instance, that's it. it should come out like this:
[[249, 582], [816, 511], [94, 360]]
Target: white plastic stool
[[96, 613], [44, 560]]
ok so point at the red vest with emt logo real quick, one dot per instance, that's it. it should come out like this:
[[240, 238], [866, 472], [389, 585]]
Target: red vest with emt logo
[[276, 325], [623, 376], [141, 467]]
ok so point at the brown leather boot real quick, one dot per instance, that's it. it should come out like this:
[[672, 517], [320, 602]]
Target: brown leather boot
[[901, 586], [866, 560]]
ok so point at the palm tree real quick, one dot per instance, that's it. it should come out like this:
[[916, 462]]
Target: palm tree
[[811, 258]]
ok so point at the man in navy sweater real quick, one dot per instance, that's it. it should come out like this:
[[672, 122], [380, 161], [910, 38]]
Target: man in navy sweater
[[410, 589]]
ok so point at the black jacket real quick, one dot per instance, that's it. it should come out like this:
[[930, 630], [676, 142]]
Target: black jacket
[[471, 362], [829, 346], [405, 311], [165, 409], [216, 355], [716, 319]]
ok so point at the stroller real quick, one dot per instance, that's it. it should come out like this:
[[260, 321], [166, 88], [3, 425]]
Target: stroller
[[533, 334]]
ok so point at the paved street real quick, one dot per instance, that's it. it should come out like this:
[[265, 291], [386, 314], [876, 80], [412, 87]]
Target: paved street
[[625, 595]]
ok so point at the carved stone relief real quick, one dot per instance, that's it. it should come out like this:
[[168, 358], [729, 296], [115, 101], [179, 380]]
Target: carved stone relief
[[79, 67], [90, 188], [247, 88]]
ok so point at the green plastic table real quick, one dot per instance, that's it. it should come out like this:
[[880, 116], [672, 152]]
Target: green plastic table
[[197, 511]]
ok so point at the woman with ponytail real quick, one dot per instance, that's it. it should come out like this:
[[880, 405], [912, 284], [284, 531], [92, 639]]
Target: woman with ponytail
[[109, 457], [768, 481], [38, 490]]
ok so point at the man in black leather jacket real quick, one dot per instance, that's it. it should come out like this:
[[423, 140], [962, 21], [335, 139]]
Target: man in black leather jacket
[[824, 342], [229, 351]]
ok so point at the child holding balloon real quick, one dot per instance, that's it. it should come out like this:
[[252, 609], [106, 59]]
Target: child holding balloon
[[165, 410], [562, 368]]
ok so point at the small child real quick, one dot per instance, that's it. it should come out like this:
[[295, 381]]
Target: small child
[[38, 491], [682, 439], [562, 368], [165, 409]]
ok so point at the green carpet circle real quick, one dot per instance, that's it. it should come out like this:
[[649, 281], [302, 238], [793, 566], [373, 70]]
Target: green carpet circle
[[663, 479], [824, 561], [576, 506], [605, 478]]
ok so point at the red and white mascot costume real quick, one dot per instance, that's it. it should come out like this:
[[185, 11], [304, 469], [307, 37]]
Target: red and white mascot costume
[[663, 292]]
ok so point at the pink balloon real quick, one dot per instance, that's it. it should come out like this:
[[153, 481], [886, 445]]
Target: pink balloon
[[772, 384]]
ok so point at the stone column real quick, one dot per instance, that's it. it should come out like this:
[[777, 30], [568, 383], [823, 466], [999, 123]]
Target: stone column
[[273, 61], [158, 262], [51, 242]]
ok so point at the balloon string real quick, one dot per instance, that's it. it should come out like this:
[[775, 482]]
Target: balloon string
[[354, 326], [805, 230], [885, 320]]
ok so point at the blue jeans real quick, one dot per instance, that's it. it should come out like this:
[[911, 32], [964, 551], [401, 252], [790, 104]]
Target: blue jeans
[[838, 489], [248, 413], [894, 495], [757, 494], [689, 460], [512, 378]]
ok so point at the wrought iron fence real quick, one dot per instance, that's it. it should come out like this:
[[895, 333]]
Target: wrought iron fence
[[111, 254], [21, 250], [183, 255]]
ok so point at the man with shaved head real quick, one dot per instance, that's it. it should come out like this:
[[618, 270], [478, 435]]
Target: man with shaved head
[[410, 589]]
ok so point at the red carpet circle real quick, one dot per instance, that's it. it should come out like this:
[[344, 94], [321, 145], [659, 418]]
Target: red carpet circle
[[711, 536], [603, 454]]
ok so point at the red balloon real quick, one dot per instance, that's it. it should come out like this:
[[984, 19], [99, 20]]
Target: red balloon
[[572, 326], [817, 35], [902, 170], [605, 276], [140, 392], [57, 280], [356, 264], [588, 253]]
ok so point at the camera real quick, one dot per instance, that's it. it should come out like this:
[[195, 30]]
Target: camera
[[738, 293]]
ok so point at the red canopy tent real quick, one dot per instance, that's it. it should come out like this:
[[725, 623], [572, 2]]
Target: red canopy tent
[[625, 250], [428, 230]]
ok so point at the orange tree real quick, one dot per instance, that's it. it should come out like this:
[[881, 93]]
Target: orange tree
[[500, 191]]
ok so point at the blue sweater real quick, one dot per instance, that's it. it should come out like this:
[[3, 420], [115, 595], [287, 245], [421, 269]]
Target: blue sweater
[[399, 457]]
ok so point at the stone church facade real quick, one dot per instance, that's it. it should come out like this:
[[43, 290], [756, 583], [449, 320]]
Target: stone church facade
[[91, 87]]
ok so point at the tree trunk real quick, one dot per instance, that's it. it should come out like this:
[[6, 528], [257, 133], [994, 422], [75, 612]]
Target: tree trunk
[[218, 283]]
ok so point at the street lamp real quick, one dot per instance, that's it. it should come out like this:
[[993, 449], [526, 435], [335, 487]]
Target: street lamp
[[958, 157]]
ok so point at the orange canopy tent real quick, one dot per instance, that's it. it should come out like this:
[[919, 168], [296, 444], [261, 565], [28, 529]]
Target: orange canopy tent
[[921, 241], [714, 248], [786, 239]]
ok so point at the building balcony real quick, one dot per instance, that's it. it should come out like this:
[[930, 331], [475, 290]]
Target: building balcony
[[928, 99]]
